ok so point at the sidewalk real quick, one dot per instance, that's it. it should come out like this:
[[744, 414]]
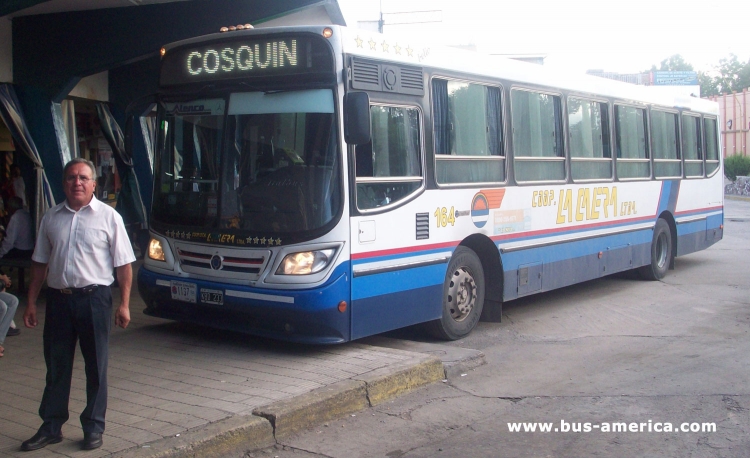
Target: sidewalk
[[183, 390]]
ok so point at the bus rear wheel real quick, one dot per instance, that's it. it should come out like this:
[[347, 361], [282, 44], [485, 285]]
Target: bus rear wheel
[[463, 296], [661, 253]]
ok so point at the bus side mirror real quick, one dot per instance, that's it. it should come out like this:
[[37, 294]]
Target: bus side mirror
[[356, 118]]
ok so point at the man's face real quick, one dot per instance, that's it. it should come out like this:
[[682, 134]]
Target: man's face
[[79, 185]]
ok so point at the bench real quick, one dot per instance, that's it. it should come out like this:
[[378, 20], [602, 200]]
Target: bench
[[20, 264]]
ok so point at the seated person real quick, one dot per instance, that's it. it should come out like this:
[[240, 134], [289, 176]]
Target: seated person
[[19, 236], [8, 306]]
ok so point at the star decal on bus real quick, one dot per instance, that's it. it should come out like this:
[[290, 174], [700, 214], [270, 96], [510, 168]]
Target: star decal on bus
[[373, 45], [359, 41]]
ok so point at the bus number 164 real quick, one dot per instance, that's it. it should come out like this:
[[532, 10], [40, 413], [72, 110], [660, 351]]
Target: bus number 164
[[443, 217]]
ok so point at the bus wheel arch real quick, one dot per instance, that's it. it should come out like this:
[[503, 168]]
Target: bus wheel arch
[[663, 248], [489, 254], [669, 218], [465, 289], [462, 296]]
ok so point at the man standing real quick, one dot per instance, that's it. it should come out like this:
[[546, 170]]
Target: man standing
[[79, 241]]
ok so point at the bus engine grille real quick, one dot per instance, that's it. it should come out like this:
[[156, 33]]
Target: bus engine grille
[[224, 263]]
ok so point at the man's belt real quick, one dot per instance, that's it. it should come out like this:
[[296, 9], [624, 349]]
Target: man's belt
[[75, 291]]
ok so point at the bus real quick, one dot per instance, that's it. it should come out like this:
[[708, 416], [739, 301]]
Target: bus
[[321, 184]]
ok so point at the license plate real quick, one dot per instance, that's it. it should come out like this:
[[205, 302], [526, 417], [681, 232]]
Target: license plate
[[183, 291], [212, 296]]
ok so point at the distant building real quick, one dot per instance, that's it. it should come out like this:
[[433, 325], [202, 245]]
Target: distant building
[[677, 83], [735, 131], [633, 78]]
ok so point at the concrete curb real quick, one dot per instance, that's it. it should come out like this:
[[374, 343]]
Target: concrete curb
[[215, 440], [392, 381], [733, 197], [318, 406], [456, 360], [282, 419]]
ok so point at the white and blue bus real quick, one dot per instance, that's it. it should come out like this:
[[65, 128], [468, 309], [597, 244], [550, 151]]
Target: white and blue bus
[[321, 184]]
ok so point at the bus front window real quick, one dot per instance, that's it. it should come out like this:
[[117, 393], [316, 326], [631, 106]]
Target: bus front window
[[191, 137], [283, 160], [278, 173]]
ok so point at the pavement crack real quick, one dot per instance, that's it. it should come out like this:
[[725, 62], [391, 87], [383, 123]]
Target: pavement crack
[[729, 402], [732, 404], [703, 441], [302, 450]]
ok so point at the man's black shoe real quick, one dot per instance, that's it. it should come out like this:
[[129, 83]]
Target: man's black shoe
[[12, 332], [40, 440], [92, 441]]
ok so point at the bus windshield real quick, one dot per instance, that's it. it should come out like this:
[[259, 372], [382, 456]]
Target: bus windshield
[[254, 161]]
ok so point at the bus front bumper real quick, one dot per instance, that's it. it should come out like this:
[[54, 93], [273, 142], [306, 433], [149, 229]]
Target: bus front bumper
[[308, 316]]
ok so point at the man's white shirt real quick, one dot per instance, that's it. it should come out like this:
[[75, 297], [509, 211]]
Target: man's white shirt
[[81, 247]]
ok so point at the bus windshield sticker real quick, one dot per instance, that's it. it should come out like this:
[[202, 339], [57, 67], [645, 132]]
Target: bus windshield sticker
[[208, 107]]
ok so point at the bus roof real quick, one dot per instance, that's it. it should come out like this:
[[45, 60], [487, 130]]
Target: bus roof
[[394, 48], [378, 46]]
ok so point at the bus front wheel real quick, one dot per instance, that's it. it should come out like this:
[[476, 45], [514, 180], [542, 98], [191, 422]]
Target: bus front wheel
[[463, 296], [661, 252]]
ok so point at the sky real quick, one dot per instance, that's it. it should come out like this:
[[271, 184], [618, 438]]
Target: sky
[[626, 37]]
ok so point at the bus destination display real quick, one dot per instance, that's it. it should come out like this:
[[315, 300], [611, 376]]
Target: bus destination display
[[246, 58]]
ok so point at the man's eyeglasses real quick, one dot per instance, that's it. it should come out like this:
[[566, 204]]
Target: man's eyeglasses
[[72, 179]]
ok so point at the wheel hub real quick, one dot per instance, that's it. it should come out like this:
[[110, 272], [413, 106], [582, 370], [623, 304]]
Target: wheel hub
[[462, 294]]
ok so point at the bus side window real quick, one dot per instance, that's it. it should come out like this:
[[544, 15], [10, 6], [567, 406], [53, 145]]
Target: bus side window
[[363, 155], [665, 145], [468, 132], [537, 136], [389, 167], [588, 133], [712, 145], [633, 158]]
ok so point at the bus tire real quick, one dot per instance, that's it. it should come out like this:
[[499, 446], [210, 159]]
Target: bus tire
[[661, 253], [463, 296]]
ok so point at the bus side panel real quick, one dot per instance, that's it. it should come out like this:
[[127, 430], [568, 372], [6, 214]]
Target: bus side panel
[[391, 300], [714, 228], [699, 214], [697, 235], [309, 316], [568, 263], [691, 237]]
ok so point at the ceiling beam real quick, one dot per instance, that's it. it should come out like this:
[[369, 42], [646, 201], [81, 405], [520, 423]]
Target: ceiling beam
[[11, 6]]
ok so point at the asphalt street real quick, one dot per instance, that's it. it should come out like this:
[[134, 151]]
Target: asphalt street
[[614, 351]]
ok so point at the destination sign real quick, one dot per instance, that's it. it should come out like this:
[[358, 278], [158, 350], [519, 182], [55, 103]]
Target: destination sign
[[249, 57]]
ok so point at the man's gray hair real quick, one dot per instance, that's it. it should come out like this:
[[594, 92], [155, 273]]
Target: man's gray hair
[[80, 160]]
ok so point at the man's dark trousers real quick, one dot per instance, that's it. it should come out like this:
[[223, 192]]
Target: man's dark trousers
[[84, 317]]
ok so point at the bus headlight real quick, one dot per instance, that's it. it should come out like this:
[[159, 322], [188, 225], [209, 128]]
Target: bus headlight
[[155, 250], [305, 262]]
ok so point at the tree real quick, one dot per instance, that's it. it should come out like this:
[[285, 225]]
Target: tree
[[733, 75], [708, 85], [729, 75], [675, 63]]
